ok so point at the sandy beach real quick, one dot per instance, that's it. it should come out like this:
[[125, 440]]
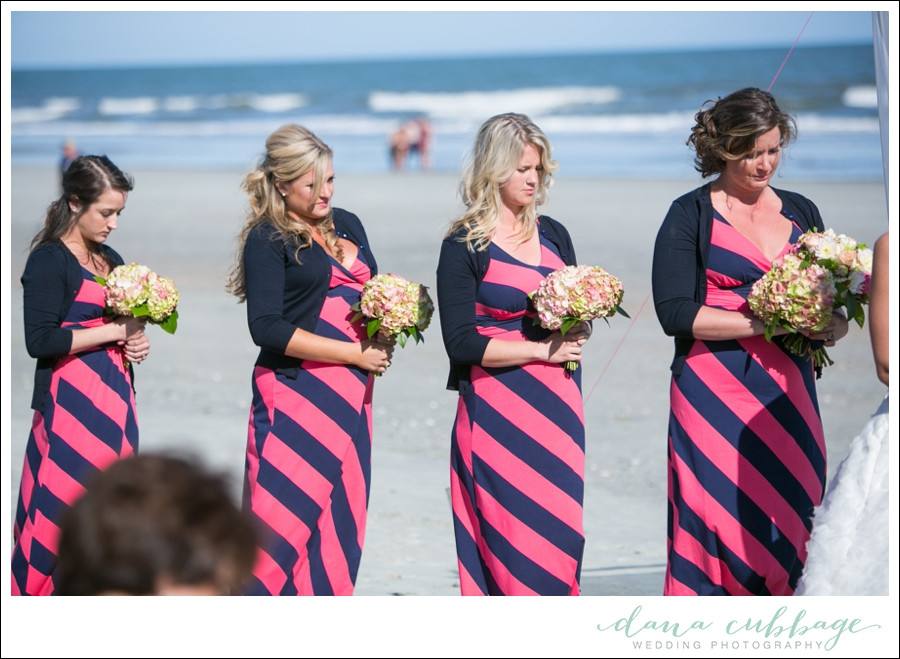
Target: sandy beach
[[193, 393]]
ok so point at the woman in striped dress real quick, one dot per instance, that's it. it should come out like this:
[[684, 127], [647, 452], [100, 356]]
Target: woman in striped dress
[[83, 399], [301, 265], [746, 446], [517, 456]]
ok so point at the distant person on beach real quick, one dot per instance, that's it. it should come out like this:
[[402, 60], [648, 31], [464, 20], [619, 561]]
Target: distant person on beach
[[746, 448], [413, 138], [517, 450], [69, 153], [301, 264], [155, 525], [83, 399], [849, 545]]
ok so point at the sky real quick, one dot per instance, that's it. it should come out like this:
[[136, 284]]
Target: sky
[[181, 33]]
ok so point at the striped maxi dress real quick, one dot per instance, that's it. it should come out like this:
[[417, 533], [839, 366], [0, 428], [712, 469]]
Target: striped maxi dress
[[746, 448], [87, 423], [308, 461], [517, 457]]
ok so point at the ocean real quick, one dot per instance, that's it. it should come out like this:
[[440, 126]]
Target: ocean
[[621, 115]]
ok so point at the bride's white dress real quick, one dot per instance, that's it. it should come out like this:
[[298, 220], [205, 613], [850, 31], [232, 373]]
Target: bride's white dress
[[848, 549]]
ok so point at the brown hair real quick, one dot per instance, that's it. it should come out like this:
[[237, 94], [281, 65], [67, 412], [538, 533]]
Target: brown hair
[[728, 129], [149, 518]]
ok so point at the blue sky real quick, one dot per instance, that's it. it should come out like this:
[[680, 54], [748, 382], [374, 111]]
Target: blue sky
[[155, 34]]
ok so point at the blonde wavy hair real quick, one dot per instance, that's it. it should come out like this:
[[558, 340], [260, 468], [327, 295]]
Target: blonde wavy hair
[[499, 145], [291, 152]]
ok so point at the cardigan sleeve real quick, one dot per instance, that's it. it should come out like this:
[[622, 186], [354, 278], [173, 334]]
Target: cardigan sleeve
[[46, 285], [264, 272], [675, 270], [457, 283]]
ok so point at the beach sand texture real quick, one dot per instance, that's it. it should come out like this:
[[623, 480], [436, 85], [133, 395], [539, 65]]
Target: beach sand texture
[[193, 392]]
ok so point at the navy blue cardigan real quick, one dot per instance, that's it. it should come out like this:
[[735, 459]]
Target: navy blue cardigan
[[283, 294], [50, 281], [459, 273], [681, 253]]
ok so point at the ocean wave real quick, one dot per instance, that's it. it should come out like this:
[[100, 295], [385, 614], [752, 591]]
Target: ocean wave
[[146, 106], [860, 96], [485, 104], [128, 106], [370, 125], [51, 110]]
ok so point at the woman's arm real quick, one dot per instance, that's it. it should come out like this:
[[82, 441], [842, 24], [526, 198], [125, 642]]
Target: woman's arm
[[676, 261], [44, 284], [265, 272], [370, 355], [879, 302]]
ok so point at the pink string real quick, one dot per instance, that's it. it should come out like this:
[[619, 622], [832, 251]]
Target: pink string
[[771, 84], [621, 341], [624, 336]]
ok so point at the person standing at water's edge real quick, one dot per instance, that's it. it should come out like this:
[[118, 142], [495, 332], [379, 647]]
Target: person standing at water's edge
[[746, 448], [301, 264], [83, 399], [517, 454]]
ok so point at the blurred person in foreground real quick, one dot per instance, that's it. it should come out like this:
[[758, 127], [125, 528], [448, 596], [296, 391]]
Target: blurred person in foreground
[[155, 525], [746, 447]]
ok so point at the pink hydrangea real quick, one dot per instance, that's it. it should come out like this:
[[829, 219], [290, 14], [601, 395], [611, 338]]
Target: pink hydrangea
[[136, 290], [823, 272], [575, 294], [395, 307]]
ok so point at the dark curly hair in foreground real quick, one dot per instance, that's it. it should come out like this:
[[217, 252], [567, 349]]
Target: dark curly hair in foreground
[[155, 524]]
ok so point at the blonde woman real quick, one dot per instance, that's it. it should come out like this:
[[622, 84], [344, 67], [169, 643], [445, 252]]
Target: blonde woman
[[301, 264], [517, 457]]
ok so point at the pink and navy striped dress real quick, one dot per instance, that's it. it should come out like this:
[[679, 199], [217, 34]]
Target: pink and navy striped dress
[[88, 421], [517, 461], [746, 448], [308, 462]]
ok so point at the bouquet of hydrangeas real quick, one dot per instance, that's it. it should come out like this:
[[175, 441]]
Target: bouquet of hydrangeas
[[135, 290], [395, 307], [575, 294], [822, 272]]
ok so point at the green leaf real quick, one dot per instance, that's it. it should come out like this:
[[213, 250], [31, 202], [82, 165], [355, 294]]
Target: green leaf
[[770, 332], [620, 310], [170, 324], [356, 316], [401, 339], [140, 311], [567, 325], [100, 280], [372, 327]]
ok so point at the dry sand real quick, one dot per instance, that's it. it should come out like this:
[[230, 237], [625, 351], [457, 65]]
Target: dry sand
[[193, 392]]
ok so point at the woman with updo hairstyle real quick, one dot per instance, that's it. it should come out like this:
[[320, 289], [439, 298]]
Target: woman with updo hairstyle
[[746, 448], [300, 266], [83, 397], [517, 443]]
